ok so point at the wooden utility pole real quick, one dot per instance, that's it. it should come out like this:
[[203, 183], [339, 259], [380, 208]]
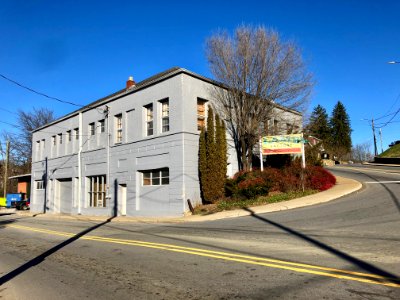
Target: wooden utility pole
[[6, 168]]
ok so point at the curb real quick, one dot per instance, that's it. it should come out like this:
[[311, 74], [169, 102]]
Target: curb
[[343, 187]]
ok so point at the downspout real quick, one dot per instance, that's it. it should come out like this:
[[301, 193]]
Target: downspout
[[80, 164]]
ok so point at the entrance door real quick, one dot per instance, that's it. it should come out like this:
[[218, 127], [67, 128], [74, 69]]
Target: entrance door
[[122, 198]]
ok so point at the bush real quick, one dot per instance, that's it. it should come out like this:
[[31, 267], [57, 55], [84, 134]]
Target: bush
[[320, 179], [292, 178], [248, 185]]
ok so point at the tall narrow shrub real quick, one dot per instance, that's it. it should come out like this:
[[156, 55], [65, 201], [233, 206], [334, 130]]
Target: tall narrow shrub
[[212, 158], [222, 162], [203, 162]]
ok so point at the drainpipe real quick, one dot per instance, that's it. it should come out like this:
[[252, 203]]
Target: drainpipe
[[80, 164], [108, 152]]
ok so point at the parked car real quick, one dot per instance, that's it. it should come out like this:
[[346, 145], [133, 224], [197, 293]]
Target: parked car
[[23, 204]]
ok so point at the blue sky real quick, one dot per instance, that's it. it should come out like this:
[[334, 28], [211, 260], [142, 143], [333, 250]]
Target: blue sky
[[80, 51]]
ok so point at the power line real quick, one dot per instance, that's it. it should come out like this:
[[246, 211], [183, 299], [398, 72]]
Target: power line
[[38, 93], [9, 111]]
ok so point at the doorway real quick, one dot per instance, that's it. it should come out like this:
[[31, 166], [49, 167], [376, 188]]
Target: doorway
[[122, 198]]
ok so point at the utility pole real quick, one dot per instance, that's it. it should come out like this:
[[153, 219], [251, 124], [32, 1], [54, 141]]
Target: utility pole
[[373, 132], [380, 135], [6, 167]]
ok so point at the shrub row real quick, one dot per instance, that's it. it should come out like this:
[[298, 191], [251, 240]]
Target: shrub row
[[292, 178]]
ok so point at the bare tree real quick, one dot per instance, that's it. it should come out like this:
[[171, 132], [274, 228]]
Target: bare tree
[[259, 73], [362, 152], [21, 143]]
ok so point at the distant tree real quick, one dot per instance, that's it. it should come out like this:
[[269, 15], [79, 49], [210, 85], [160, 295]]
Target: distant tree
[[318, 125], [340, 141], [362, 152], [21, 143], [258, 71]]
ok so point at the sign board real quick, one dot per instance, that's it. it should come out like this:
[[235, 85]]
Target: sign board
[[282, 144]]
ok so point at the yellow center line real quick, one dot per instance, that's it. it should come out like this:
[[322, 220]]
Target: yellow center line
[[273, 263]]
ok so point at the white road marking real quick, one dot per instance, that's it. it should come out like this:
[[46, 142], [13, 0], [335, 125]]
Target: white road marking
[[382, 182]]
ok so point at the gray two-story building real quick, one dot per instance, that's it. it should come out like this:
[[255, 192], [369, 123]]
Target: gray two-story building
[[132, 153]]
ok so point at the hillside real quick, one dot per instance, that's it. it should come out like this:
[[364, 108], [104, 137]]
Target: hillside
[[393, 151]]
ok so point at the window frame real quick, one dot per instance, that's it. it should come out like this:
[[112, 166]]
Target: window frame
[[201, 114], [155, 177], [165, 115], [92, 129], [96, 191], [39, 185], [102, 126], [76, 132], [118, 128], [149, 117]]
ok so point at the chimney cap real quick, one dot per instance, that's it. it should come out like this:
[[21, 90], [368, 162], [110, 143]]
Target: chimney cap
[[130, 83]]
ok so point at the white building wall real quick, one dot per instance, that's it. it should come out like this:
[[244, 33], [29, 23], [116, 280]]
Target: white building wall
[[176, 149]]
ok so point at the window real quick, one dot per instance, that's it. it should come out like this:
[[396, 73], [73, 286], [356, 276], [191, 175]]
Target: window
[[38, 150], [53, 140], [60, 138], [69, 136], [289, 128], [165, 115], [39, 184], [156, 177], [149, 119], [201, 113], [276, 127], [102, 127], [91, 129], [118, 124], [76, 131], [42, 149], [96, 190]]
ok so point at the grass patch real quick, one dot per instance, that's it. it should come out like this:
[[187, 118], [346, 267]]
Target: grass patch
[[230, 204], [393, 151]]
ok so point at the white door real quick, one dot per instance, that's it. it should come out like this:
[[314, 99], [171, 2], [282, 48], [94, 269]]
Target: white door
[[122, 198]]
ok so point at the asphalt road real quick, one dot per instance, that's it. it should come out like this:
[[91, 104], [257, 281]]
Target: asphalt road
[[345, 249]]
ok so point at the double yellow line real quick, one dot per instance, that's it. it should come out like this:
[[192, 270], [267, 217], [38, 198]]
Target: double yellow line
[[248, 259]]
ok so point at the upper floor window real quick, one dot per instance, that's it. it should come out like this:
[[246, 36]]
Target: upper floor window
[[276, 126], [201, 113], [76, 132], [37, 150], [53, 140], [149, 119], [165, 115], [69, 136], [102, 127], [91, 129], [60, 138], [118, 126]]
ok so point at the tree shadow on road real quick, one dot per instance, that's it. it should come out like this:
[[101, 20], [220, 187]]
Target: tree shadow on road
[[353, 260], [39, 259]]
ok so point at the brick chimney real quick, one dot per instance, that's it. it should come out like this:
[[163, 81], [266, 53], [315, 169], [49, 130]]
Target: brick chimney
[[130, 83]]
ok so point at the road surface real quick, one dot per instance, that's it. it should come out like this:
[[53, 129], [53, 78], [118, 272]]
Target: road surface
[[345, 249]]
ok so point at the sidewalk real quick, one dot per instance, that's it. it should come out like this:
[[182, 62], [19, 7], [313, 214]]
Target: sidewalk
[[344, 186]]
